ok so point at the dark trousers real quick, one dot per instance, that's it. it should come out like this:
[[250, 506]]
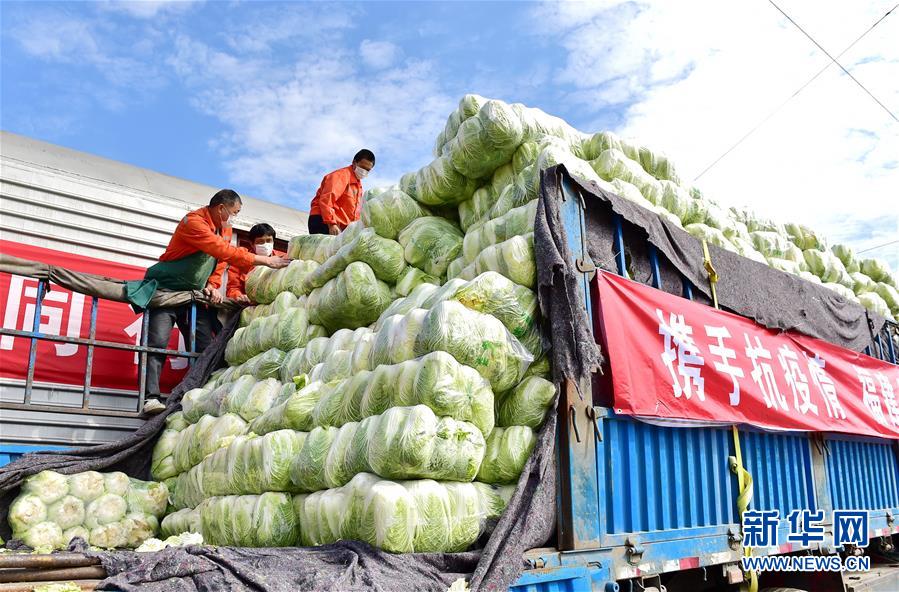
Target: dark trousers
[[162, 321], [317, 225]]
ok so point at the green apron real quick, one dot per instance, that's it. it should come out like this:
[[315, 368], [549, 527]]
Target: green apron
[[188, 273]]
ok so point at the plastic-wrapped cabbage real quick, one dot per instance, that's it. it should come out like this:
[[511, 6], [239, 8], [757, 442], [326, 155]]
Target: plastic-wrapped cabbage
[[383, 255], [475, 339], [486, 141], [890, 296], [412, 278], [804, 237], [873, 302], [476, 209], [401, 306], [455, 267], [201, 401], [770, 244], [518, 221], [302, 360], [508, 450], [261, 366], [186, 520], [598, 143], [352, 299], [266, 520], [513, 258], [390, 212], [710, 235], [614, 164], [846, 255], [525, 156], [430, 243], [138, 528], [810, 277], [26, 511], [337, 366], [862, 283], [746, 249], [403, 442], [49, 486], [294, 413], [842, 291], [400, 517], [162, 466], [67, 512], [436, 380], [878, 270], [147, 497], [526, 404], [310, 247], [828, 267], [251, 403], [785, 265], [176, 421], [395, 340], [205, 437], [257, 282], [514, 305], [439, 184], [250, 465]]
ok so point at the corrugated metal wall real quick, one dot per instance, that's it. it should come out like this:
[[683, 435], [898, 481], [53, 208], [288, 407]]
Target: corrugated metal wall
[[862, 473]]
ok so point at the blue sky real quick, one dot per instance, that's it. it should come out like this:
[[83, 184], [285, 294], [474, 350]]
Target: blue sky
[[266, 97]]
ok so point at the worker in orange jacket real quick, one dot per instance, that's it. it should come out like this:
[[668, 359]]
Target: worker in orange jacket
[[195, 259], [262, 236], [337, 202]]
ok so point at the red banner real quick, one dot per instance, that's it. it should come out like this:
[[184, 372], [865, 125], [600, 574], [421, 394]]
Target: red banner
[[676, 359], [67, 313]]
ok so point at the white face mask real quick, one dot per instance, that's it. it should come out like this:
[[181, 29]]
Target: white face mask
[[265, 249], [360, 172]]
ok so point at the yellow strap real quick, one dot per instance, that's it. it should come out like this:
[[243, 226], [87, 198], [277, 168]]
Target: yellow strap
[[713, 275], [744, 498]]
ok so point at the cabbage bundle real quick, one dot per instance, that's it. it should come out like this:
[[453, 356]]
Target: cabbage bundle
[[614, 164], [828, 267], [264, 284], [253, 402], [285, 331], [412, 278], [337, 366], [526, 404], [436, 380], [508, 450], [383, 255], [513, 258], [878, 270], [107, 510], [401, 517], [395, 339], [475, 339], [282, 302], [249, 465], [293, 413], [401, 443], [318, 247], [517, 221], [770, 244], [390, 212], [179, 522], [264, 365], [430, 243], [709, 235], [804, 237], [439, 184], [203, 438], [356, 297], [408, 303], [266, 520]]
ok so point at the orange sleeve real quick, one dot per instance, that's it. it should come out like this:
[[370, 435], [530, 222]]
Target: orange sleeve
[[196, 233], [333, 186], [236, 283], [215, 280]]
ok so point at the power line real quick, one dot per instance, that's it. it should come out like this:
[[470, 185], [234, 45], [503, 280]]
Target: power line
[[834, 60], [893, 242], [792, 96]]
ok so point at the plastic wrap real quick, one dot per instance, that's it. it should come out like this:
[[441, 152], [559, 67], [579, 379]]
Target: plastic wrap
[[266, 520], [293, 413], [390, 212], [517, 221], [526, 404], [253, 402], [412, 278], [439, 184], [401, 306], [205, 437], [179, 522], [352, 299], [395, 340], [507, 450], [430, 244], [383, 255], [513, 258]]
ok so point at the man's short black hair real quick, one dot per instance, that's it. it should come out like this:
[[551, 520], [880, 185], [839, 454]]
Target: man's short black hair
[[228, 197], [364, 154], [260, 230]]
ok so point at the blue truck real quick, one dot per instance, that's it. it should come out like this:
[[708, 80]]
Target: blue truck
[[648, 507]]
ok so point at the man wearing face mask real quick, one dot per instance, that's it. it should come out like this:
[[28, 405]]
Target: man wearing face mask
[[262, 236], [195, 259], [336, 203]]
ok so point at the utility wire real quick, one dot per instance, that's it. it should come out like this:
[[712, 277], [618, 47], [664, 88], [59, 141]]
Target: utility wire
[[878, 246], [834, 60], [792, 96]]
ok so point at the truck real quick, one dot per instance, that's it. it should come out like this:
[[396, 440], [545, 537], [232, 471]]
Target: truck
[[653, 504]]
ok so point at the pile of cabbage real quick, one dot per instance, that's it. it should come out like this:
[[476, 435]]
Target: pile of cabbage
[[389, 385], [107, 510]]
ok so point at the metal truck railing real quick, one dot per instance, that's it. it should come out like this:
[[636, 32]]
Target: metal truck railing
[[35, 335]]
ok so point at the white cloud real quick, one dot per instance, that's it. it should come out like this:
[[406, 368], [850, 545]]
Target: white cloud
[[696, 76], [378, 54], [294, 123], [148, 9]]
